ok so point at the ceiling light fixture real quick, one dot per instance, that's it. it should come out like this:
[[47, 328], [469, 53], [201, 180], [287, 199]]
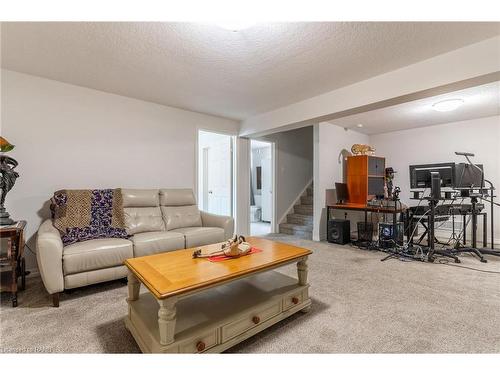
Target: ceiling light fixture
[[447, 105], [235, 25], [359, 125]]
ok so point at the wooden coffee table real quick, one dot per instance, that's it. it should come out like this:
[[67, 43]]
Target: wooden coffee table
[[195, 305]]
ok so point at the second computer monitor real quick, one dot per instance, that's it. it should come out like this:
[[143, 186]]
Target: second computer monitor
[[468, 176], [420, 175]]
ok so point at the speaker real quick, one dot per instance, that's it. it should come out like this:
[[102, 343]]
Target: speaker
[[339, 231], [365, 231]]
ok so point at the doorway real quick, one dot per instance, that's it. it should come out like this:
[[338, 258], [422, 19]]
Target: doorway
[[215, 173], [261, 188]]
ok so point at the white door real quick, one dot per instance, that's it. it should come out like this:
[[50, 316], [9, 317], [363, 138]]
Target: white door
[[267, 189], [218, 177]]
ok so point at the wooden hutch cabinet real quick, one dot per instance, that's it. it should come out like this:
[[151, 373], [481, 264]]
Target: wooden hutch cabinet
[[365, 177]]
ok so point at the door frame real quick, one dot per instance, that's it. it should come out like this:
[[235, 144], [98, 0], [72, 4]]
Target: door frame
[[274, 168], [233, 166]]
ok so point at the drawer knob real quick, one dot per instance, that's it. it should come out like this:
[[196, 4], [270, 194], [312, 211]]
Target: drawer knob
[[200, 346], [256, 319], [295, 300]]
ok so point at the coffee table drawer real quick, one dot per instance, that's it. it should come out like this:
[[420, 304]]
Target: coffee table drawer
[[199, 344], [292, 299], [253, 319]]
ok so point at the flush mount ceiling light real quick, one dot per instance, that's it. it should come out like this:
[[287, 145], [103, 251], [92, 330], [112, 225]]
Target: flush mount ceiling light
[[235, 25], [447, 105], [359, 125]]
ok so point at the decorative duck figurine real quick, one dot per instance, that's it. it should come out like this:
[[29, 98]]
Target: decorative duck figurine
[[233, 248]]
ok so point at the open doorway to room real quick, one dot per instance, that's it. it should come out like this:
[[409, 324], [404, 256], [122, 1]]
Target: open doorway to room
[[261, 188], [215, 173]]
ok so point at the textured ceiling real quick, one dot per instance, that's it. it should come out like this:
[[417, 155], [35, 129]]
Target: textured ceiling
[[204, 68], [479, 101]]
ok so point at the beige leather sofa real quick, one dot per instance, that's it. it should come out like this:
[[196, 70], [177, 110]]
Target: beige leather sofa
[[158, 220]]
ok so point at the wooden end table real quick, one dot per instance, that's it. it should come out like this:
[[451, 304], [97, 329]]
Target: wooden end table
[[13, 256]]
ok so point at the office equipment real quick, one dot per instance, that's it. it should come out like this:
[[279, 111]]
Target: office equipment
[[341, 190], [390, 235], [339, 231], [365, 178], [420, 175], [433, 176], [482, 193], [468, 176], [365, 231], [364, 208], [435, 185]]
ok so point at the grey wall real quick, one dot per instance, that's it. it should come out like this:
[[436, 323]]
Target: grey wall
[[294, 162], [72, 137]]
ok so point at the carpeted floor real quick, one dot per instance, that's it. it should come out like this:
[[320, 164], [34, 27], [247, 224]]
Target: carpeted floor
[[360, 305]]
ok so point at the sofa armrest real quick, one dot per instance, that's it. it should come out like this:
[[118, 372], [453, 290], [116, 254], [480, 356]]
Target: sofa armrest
[[224, 222], [49, 253]]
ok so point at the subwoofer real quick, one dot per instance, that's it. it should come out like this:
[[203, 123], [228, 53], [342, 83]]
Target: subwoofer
[[339, 231]]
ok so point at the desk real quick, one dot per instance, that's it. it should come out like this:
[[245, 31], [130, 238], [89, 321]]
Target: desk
[[14, 257], [453, 210], [366, 208]]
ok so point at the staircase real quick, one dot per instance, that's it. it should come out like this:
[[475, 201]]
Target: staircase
[[300, 222]]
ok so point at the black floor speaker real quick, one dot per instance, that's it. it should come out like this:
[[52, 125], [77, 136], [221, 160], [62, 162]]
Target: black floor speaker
[[339, 231]]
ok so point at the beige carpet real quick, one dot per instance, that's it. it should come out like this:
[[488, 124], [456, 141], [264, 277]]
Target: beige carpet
[[360, 305]]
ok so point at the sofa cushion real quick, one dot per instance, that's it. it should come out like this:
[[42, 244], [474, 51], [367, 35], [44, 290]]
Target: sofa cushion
[[142, 210], [177, 197], [96, 254], [199, 236], [140, 197], [181, 216], [143, 219], [157, 242]]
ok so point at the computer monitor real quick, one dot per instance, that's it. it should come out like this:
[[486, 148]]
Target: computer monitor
[[468, 177], [341, 190], [420, 175]]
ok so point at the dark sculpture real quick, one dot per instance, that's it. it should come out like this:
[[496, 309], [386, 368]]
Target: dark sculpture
[[7, 180]]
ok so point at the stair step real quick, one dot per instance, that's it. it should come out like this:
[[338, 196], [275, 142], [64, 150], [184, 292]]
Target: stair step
[[296, 230], [298, 227], [304, 209], [299, 219], [310, 191], [307, 199]]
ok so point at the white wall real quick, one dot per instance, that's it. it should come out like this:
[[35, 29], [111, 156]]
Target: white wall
[[435, 144], [329, 140], [72, 137], [294, 166]]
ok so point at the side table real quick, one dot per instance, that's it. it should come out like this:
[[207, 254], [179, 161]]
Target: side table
[[12, 255]]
